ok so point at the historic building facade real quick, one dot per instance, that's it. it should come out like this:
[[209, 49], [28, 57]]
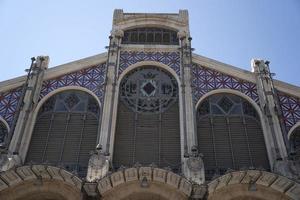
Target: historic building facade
[[149, 119]]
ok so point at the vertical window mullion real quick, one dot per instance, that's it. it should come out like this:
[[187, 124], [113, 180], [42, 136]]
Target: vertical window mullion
[[230, 141], [48, 134], [65, 135], [80, 141], [247, 140], [213, 139]]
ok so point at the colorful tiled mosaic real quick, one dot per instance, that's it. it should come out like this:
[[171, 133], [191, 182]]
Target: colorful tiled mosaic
[[127, 58], [8, 104], [205, 80], [92, 78], [290, 107]]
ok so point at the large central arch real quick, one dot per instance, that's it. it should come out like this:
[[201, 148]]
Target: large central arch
[[141, 134]]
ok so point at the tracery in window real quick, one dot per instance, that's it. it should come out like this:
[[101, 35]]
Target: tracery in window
[[150, 36], [149, 90]]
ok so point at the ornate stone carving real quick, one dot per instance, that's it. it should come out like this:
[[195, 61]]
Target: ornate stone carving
[[131, 174], [194, 167], [98, 166]]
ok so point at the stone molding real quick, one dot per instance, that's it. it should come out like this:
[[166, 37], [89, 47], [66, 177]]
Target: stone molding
[[267, 179], [152, 174], [18, 175]]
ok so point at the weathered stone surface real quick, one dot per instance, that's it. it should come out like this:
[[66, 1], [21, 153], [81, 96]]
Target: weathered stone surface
[[67, 176], [224, 180], [40, 170], [131, 174], [185, 186], [77, 182], [173, 179], [145, 172], [104, 185], [236, 177], [117, 178], [282, 184], [55, 173], [25, 173], [294, 192], [11, 177], [90, 189], [159, 175], [3, 185], [213, 185], [266, 179], [251, 175]]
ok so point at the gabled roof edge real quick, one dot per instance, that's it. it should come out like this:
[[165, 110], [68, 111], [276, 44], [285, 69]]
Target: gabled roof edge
[[57, 71], [243, 74]]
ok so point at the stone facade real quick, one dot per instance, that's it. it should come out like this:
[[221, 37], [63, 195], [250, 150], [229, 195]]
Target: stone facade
[[276, 103]]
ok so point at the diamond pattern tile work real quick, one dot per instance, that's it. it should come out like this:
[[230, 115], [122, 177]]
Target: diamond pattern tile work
[[205, 80], [128, 58], [8, 104], [290, 107], [92, 78]]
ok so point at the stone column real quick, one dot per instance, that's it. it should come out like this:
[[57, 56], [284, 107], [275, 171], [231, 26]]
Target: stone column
[[110, 92], [193, 165], [30, 101], [267, 98]]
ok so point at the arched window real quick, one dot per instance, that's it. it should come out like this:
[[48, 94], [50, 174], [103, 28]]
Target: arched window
[[148, 120], [3, 132], [150, 36], [65, 131], [230, 135]]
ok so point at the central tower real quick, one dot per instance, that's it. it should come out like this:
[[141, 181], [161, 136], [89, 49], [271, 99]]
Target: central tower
[[148, 114]]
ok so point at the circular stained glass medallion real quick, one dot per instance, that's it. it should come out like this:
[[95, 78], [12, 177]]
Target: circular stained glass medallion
[[148, 90]]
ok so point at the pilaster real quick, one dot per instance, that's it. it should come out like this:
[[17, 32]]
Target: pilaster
[[267, 98], [193, 165], [32, 89], [106, 131]]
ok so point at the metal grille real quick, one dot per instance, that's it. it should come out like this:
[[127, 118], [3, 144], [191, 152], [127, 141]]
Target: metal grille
[[230, 135], [3, 132], [295, 144], [150, 36], [148, 137], [65, 131]]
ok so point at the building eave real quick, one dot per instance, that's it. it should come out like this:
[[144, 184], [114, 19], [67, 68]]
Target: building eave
[[57, 71]]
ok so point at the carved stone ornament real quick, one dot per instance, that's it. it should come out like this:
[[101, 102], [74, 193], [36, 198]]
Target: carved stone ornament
[[97, 161], [195, 164], [117, 33]]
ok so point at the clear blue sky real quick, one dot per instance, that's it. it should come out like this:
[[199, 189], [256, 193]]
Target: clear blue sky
[[231, 31]]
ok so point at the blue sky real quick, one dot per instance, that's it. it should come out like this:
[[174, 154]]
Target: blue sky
[[231, 31]]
